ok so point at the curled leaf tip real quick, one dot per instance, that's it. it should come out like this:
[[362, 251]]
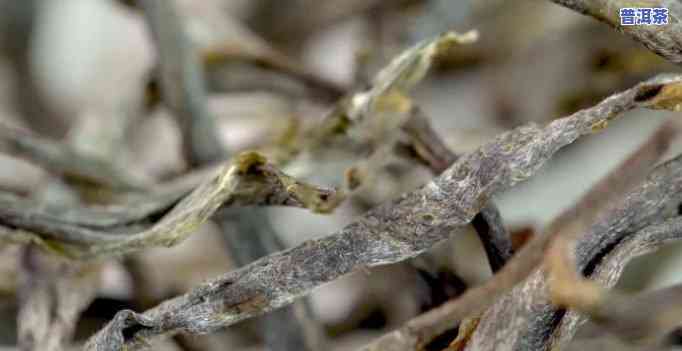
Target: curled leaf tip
[[452, 37], [327, 202], [248, 160], [314, 199], [410, 67], [666, 97]]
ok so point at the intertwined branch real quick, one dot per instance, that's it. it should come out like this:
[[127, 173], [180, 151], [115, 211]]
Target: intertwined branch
[[248, 180], [422, 329], [528, 302], [520, 307], [392, 232]]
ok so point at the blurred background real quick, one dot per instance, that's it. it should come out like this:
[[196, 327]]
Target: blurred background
[[78, 70]]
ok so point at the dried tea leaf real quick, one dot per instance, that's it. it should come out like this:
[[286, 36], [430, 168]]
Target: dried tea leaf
[[248, 180], [389, 233], [387, 102]]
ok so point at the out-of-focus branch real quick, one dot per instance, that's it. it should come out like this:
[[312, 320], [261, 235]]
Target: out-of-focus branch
[[663, 40], [183, 88], [422, 329], [95, 217], [182, 82], [55, 290], [135, 207], [647, 318], [626, 321], [295, 23], [223, 56], [18, 20], [240, 69], [278, 189], [128, 208], [318, 87], [63, 160], [271, 187], [53, 293], [395, 231]]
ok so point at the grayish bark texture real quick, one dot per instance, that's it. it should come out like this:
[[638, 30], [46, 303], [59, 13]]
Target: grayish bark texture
[[392, 232]]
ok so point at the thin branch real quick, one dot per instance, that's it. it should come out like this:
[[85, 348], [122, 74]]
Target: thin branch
[[276, 189], [426, 144], [373, 116], [294, 23], [247, 180], [52, 295], [528, 303], [63, 160], [626, 321], [19, 21], [156, 200], [387, 112], [128, 208], [494, 236], [267, 70], [647, 318], [182, 82], [55, 291], [395, 231], [249, 237], [422, 329], [429, 148], [250, 48], [319, 87]]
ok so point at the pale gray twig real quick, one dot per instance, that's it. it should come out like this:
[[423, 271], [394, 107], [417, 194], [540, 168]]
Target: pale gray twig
[[182, 82], [63, 160]]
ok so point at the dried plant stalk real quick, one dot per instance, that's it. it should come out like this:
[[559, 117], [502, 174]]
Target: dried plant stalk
[[53, 294], [524, 317], [629, 324], [422, 329], [247, 180], [182, 82], [63, 160], [392, 232]]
